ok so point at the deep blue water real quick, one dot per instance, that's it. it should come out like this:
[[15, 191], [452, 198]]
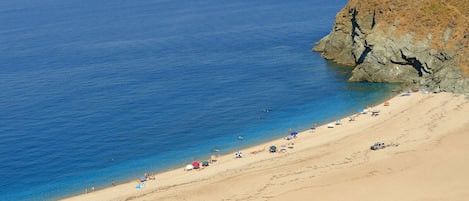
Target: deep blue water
[[93, 91]]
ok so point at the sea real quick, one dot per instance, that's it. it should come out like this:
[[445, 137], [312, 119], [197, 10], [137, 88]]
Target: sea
[[95, 91]]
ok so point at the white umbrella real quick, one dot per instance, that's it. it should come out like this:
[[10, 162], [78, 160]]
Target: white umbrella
[[189, 167], [239, 154]]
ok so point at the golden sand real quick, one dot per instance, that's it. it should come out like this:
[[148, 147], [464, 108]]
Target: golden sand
[[427, 160]]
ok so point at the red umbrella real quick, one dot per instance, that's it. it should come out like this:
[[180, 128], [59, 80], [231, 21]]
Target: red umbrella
[[196, 164]]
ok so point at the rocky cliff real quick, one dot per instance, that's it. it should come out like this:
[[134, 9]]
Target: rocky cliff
[[421, 43]]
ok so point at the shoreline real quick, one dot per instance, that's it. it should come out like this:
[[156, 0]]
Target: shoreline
[[388, 96], [175, 184], [375, 102]]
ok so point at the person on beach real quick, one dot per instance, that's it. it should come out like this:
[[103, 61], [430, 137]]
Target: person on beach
[[113, 183], [313, 129]]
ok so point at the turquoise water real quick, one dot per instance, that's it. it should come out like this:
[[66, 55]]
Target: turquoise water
[[96, 91]]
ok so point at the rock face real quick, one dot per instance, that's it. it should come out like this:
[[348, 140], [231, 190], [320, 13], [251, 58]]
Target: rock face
[[422, 43]]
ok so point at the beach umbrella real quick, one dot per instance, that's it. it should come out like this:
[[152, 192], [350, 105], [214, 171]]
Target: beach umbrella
[[196, 164], [143, 178], [273, 149], [189, 167], [239, 154], [205, 163], [294, 133]]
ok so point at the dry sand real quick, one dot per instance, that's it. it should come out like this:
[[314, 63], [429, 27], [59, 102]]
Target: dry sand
[[430, 163]]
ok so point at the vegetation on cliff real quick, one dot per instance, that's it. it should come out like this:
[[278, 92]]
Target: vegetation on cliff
[[424, 43]]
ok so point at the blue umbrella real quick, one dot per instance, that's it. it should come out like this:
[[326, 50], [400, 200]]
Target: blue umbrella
[[143, 178], [294, 133]]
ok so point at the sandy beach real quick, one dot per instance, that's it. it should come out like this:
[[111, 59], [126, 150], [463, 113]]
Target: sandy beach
[[426, 159]]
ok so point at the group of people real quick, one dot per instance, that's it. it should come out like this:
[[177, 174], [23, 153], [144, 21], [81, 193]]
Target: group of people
[[149, 176], [143, 179], [86, 190]]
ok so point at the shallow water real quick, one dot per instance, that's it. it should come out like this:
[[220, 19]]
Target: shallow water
[[95, 91]]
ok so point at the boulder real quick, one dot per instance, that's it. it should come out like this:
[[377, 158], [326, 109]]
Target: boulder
[[419, 43]]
